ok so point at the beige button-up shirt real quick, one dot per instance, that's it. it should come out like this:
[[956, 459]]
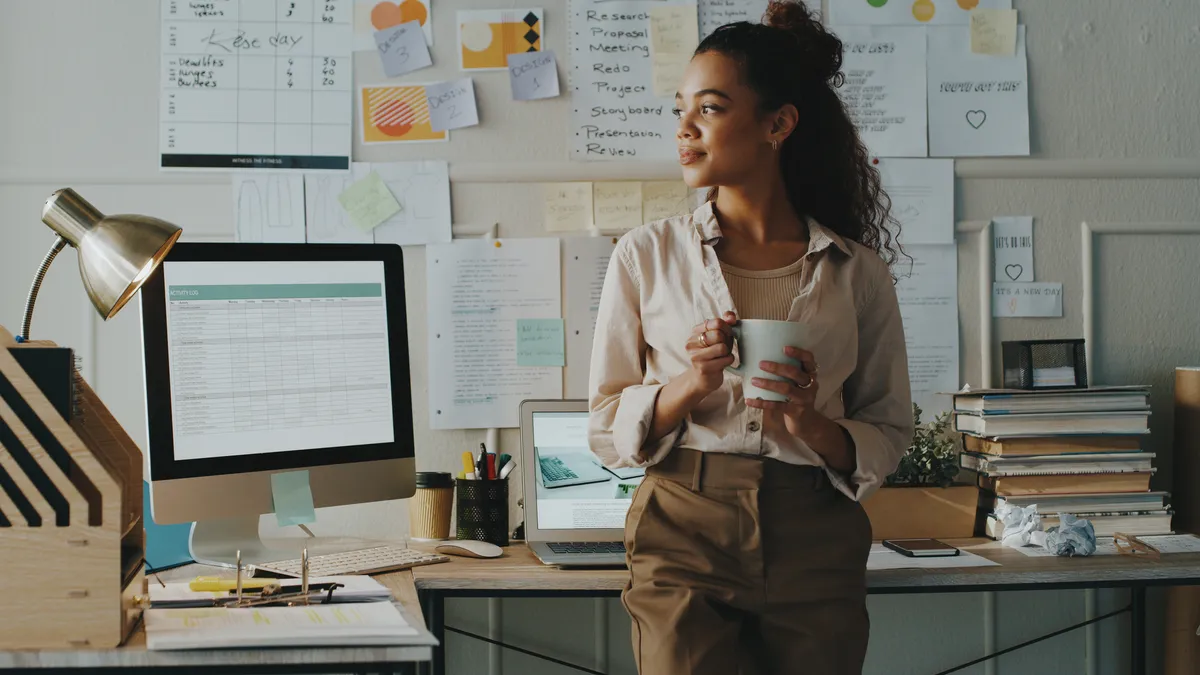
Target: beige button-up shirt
[[665, 277]]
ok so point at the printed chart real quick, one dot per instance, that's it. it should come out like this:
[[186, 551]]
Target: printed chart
[[256, 85]]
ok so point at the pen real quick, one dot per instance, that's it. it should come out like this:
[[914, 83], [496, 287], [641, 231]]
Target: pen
[[481, 465]]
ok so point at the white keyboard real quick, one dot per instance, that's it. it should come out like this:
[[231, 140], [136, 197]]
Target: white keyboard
[[364, 561]]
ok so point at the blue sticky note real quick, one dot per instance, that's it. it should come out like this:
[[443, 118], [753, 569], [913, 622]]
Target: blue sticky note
[[292, 498], [540, 342], [166, 545]]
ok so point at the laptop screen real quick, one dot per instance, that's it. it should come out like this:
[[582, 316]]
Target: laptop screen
[[574, 491]]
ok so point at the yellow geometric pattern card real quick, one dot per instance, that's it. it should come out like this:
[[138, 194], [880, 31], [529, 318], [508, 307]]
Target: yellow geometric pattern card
[[396, 114], [487, 36]]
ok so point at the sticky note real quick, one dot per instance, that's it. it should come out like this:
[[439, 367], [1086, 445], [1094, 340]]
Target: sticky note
[[674, 34], [617, 205], [402, 48], [292, 498], [567, 207], [368, 202], [533, 75], [663, 199], [994, 31], [540, 342], [452, 104]]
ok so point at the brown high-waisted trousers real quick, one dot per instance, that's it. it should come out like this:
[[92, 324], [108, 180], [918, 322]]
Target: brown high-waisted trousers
[[741, 565]]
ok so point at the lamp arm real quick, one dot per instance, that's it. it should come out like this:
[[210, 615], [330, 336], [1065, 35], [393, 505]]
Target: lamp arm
[[59, 244]]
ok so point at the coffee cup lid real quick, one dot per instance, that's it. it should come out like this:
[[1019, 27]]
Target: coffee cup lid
[[434, 479]]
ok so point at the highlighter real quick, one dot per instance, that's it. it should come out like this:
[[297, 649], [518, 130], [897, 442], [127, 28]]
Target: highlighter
[[468, 466]]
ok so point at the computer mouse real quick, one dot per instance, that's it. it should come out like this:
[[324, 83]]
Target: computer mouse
[[469, 548]]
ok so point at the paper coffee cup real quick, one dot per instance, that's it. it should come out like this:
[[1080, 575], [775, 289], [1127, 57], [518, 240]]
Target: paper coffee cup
[[429, 509]]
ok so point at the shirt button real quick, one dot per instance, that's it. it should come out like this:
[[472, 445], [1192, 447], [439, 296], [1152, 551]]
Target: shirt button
[[753, 426]]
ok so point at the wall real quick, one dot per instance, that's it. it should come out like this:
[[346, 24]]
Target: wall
[[1113, 100]]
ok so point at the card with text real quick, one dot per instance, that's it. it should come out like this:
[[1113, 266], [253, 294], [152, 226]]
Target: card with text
[[1012, 248], [1030, 300], [452, 104], [533, 75], [402, 49]]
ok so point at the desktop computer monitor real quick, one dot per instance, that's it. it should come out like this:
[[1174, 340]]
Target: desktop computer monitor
[[264, 359]]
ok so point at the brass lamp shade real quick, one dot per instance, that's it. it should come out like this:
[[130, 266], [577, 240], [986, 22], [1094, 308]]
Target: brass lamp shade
[[116, 253]]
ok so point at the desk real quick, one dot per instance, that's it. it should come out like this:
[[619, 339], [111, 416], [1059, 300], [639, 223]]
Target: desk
[[519, 574], [133, 655]]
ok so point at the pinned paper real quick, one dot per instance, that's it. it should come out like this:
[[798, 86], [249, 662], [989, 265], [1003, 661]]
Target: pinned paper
[[533, 75], [567, 207], [994, 31], [292, 498], [1033, 300], [376, 15], [663, 199], [540, 342], [452, 104], [1012, 248], [369, 202], [402, 49], [674, 34], [617, 205], [487, 36], [396, 114]]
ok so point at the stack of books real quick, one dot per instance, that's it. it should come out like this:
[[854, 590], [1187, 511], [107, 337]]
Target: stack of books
[[1075, 451]]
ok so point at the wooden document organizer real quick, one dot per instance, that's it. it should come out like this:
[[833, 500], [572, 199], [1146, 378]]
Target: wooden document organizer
[[70, 580]]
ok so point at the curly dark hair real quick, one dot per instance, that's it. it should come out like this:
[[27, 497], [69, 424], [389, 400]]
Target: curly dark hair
[[791, 58]]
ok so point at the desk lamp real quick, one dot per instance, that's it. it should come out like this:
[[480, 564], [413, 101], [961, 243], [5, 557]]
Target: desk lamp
[[116, 253]]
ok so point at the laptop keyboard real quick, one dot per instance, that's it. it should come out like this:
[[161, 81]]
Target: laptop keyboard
[[554, 469], [586, 547]]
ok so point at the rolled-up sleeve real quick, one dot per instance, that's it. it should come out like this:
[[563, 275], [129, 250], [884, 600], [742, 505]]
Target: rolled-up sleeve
[[877, 397], [621, 398]]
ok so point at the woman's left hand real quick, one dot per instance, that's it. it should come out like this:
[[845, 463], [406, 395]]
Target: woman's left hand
[[799, 386]]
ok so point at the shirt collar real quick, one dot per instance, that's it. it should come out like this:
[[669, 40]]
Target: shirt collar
[[704, 219]]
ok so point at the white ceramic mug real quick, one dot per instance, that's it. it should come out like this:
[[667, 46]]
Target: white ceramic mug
[[762, 340]]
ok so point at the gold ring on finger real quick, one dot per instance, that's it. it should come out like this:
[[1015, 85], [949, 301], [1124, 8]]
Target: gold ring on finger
[[703, 340]]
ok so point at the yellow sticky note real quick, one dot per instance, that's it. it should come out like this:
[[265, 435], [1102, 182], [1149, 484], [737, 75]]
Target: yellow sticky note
[[667, 72], [617, 205], [994, 31], [369, 202], [663, 199], [674, 29], [567, 207]]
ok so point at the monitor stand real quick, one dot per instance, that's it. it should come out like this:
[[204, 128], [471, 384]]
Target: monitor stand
[[217, 542]]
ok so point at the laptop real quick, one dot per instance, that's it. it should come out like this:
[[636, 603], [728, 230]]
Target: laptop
[[574, 507]]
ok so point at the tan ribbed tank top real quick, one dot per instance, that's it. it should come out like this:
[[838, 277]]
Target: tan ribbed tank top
[[765, 294]]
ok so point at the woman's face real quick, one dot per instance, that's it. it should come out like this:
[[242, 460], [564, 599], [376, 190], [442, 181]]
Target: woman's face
[[723, 138]]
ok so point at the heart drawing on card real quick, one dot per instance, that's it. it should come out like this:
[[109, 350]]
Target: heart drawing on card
[[1014, 272], [976, 118]]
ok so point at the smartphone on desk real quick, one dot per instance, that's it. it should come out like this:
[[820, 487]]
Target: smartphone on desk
[[920, 548]]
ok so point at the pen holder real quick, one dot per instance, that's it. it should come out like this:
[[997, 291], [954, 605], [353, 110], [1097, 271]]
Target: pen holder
[[483, 510]]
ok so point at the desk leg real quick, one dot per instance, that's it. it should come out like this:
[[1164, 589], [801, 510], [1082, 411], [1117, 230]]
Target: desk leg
[[1137, 630], [432, 605]]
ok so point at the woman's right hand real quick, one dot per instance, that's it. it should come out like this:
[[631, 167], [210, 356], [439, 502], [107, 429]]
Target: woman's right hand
[[710, 348]]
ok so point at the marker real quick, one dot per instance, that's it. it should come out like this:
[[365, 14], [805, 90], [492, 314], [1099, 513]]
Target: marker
[[491, 466], [505, 458], [468, 466]]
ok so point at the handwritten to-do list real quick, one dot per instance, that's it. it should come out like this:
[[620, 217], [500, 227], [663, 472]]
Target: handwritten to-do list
[[614, 112], [885, 87], [256, 85]]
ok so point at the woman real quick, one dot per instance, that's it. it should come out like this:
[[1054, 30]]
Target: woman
[[747, 546]]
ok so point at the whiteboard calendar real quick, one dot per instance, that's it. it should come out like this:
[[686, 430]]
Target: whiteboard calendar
[[256, 84]]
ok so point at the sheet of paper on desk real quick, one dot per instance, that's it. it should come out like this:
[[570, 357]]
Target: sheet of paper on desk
[[978, 104], [355, 588], [269, 208], [1173, 543], [1104, 546], [922, 194], [423, 190], [885, 91], [928, 295], [326, 222], [585, 262], [1012, 248], [883, 558], [477, 290], [368, 623]]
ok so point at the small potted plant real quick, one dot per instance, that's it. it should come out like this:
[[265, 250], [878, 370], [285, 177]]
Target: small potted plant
[[921, 498]]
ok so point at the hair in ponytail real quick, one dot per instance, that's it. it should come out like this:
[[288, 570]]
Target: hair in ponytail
[[791, 58]]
